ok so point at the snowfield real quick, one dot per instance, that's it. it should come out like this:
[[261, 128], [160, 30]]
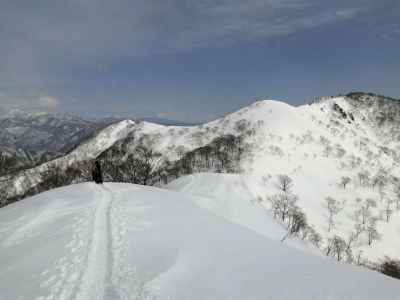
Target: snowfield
[[229, 196], [123, 241]]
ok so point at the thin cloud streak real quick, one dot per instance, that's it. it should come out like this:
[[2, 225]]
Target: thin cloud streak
[[34, 103]]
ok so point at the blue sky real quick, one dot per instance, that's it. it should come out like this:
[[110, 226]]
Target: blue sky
[[192, 60]]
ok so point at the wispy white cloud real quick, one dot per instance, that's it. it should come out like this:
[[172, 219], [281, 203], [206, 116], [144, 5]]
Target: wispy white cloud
[[163, 115], [41, 103], [389, 33]]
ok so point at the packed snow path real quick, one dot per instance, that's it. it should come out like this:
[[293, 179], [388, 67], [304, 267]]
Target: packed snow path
[[85, 272], [122, 242], [96, 277]]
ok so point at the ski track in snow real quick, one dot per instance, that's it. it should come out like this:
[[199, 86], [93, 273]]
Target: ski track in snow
[[95, 278], [96, 264], [126, 279], [86, 276]]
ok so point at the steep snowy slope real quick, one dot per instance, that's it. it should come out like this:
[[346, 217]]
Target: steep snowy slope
[[228, 196], [317, 149], [121, 241]]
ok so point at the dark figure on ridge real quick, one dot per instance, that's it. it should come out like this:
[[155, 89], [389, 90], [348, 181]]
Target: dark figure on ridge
[[96, 173]]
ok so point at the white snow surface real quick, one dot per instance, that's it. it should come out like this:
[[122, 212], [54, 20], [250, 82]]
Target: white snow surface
[[229, 196], [122, 241]]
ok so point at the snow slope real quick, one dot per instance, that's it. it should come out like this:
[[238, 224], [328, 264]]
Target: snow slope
[[229, 196], [121, 241]]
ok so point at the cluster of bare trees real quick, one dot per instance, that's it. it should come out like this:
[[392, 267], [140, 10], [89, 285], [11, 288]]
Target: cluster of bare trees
[[366, 215], [141, 164], [243, 127], [144, 165], [336, 247], [380, 179], [284, 207], [365, 223], [53, 176], [137, 167], [222, 154], [9, 163], [6, 161]]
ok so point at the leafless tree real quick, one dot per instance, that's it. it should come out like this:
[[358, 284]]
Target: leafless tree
[[333, 208], [313, 236], [336, 247], [3, 198], [297, 222], [285, 183], [345, 181], [364, 212], [397, 199], [282, 204], [275, 204], [351, 240], [388, 209], [180, 151], [372, 232], [380, 179], [363, 177], [358, 259]]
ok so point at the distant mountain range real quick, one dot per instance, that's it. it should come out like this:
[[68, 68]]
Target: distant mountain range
[[28, 139]]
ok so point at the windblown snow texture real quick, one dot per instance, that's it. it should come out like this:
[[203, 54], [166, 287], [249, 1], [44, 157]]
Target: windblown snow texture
[[121, 241]]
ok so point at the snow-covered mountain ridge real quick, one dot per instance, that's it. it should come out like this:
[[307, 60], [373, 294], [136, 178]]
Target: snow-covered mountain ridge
[[342, 148], [123, 241], [28, 139]]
